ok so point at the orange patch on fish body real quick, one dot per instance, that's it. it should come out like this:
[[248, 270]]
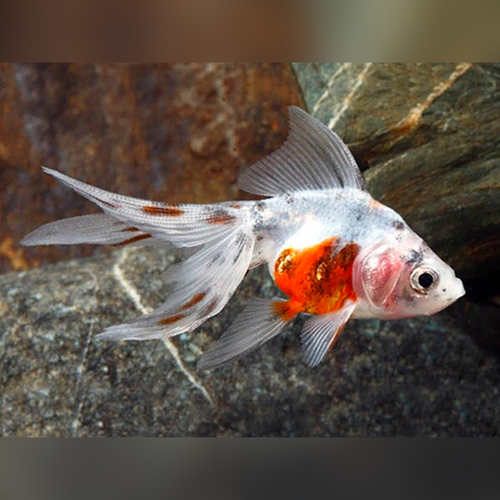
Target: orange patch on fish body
[[318, 278], [287, 310]]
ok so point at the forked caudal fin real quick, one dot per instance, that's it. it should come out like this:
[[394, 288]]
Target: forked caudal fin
[[98, 229], [202, 284], [129, 220]]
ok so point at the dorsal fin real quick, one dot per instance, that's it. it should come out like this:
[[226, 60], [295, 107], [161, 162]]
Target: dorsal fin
[[312, 158]]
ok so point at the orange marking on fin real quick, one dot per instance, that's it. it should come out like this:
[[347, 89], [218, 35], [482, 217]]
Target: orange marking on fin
[[171, 211], [195, 300], [134, 239], [220, 216], [130, 229], [210, 307], [319, 278], [171, 319], [287, 310]]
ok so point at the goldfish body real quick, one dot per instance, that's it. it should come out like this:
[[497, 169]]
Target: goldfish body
[[329, 246]]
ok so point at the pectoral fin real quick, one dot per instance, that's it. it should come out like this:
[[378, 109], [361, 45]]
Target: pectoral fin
[[321, 332]]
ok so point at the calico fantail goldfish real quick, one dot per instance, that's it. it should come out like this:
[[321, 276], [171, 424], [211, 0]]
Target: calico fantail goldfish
[[333, 250]]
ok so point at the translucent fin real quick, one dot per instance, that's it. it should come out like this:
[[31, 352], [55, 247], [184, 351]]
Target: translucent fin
[[99, 229], [321, 332], [256, 324], [183, 225], [202, 286], [312, 158]]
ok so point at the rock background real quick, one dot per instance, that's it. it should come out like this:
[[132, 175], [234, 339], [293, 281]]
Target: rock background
[[419, 377], [434, 376], [176, 132]]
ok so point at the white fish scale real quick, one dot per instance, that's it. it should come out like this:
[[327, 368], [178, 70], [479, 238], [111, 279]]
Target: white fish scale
[[307, 218]]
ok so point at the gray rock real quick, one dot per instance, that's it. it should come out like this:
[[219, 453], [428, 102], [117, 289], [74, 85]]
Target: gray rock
[[403, 378]]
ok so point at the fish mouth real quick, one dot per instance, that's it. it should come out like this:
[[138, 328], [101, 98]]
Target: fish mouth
[[457, 292], [460, 289]]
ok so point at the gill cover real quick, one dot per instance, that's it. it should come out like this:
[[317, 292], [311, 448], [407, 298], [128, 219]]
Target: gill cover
[[376, 273]]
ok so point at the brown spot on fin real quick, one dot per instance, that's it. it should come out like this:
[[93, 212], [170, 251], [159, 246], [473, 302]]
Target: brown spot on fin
[[195, 300], [220, 216], [171, 319], [210, 307], [134, 239], [169, 211], [109, 204]]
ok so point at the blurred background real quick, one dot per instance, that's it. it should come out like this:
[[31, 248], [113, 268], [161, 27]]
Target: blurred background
[[176, 132]]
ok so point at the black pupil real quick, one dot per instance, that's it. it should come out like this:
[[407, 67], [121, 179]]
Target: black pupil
[[425, 280]]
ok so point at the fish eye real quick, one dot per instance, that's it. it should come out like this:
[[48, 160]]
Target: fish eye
[[423, 279]]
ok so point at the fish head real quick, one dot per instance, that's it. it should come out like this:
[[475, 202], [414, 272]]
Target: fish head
[[404, 278]]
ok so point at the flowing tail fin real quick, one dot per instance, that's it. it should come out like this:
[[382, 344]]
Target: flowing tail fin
[[127, 219], [202, 284], [99, 229]]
